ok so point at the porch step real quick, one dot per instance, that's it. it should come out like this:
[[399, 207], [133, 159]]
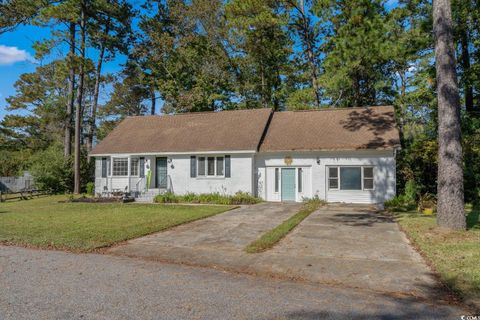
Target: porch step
[[148, 196]]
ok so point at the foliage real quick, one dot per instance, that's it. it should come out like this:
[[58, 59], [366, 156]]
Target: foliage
[[51, 171], [271, 237], [90, 188], [208, 198], [52, 222], [427, 201], [410, 191]]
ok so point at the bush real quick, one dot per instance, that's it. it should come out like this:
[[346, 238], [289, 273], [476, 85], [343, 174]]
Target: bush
[[410, 192], [90, 188], [208, 198], [168, 197], [427, 200]]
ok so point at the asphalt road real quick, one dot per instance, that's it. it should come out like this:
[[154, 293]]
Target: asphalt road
[[38, 284]]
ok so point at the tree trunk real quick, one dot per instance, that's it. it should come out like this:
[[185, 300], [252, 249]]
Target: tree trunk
[[71, 96], [96, 90], [153, 99], [466, 69], [450, 206], [78, 102]]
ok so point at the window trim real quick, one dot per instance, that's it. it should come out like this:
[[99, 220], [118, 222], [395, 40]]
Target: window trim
[[113, 167], [215, 167], [362, 178]]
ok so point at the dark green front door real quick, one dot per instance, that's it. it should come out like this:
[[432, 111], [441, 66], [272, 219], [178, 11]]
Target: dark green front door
[[161, 173]]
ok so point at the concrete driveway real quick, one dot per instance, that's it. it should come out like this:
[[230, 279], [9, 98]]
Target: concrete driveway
[[350, 246]]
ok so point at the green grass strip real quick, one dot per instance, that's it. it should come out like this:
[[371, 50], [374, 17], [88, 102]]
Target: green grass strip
[[271, 237]]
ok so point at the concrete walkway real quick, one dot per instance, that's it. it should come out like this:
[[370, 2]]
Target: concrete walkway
[[349, 246]]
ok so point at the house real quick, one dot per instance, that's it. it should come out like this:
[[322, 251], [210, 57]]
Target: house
[[340, 155]]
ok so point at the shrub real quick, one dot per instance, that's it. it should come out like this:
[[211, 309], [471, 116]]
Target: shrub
[[410, 192], [208, 198], [396, 203], [90, 188], [168, 197], [244, 198], [427, 200]]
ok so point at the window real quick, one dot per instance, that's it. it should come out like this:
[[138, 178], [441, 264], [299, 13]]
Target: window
[[368, 178], [211, 166], [142, 167], [300, 180], [104, 167], [219, 166], [120, 166], [277, 179], [134, 166], [350, 178], [333, 178], [201, 166]]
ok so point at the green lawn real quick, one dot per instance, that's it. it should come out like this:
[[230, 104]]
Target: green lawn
[[46, 223], [455, 255]]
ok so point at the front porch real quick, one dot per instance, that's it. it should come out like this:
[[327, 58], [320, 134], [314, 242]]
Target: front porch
[[140, 176]]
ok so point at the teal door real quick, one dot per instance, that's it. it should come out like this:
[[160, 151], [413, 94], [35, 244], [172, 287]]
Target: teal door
[[161, 173], [288, 184]]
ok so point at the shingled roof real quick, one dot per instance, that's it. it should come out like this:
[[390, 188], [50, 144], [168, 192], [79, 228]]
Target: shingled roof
[[255, 129], [332, 129], [236, 130]]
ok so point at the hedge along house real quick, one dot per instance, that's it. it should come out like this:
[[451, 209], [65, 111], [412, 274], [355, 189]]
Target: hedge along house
[[340, 155]]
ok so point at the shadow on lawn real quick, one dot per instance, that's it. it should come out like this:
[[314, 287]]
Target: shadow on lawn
[[473, 217]]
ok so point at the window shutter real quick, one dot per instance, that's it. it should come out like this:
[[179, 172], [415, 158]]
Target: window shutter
[[142, 167], [104, 167], [227, 167], [193, 167]]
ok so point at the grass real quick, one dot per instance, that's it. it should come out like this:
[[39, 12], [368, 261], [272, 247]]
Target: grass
[[271, 237], [83, 227], [455, 255]]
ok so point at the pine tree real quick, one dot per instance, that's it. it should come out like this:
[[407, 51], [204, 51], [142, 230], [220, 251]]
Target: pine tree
[[450, 208]]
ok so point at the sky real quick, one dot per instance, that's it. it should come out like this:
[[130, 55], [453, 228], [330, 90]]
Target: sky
[[17, 57]]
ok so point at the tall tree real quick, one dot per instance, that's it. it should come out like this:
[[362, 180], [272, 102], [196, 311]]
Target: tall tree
[[262, 48], [450, 210], [357, 49], [303, 26], [79, 98], [108, 32]]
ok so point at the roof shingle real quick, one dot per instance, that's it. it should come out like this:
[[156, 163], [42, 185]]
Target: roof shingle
[[332, 129], [242, 130], [236, 130]]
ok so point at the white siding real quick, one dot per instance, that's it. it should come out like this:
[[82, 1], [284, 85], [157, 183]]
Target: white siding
[[315, 175], [178, 170], [241, 176]]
